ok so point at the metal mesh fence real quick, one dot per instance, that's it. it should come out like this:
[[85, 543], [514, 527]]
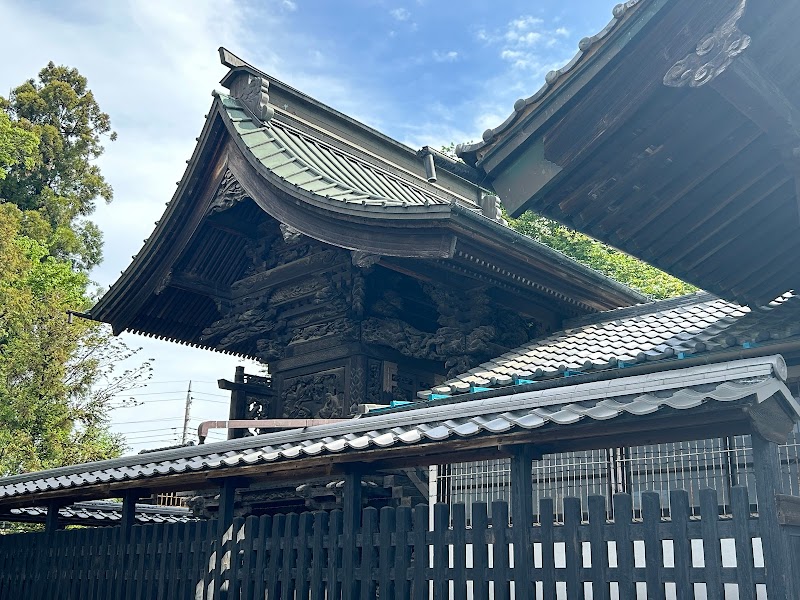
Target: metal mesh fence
[[717, 463]]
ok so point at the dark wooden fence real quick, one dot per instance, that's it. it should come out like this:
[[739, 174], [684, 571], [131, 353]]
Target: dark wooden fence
[[398, 553]]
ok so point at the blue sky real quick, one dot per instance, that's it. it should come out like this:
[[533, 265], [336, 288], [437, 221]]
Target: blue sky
[[422, 71]]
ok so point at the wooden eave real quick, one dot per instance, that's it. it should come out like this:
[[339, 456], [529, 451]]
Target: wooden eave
[[701, 182]]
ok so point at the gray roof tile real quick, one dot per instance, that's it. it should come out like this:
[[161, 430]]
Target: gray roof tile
[[657, 331], [105, 512], [636, 395]]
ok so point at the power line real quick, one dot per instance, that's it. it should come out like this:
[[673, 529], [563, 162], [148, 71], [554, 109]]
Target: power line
[[210, 394], [145, 421], [153, 438], [138, 431], [150, 383], [152, 400], [148, 393]]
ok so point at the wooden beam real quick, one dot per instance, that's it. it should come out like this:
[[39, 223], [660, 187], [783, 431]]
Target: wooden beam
[[771, 420], [252, 388], [225, 536], [227, 222], [351, 520], [788, 510], [238, 405], [52, 522], [197, 285], [753, 93], [744, 85], [129, 500]]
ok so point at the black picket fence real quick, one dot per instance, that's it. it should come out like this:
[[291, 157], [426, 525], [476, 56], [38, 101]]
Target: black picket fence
[[399, 553]]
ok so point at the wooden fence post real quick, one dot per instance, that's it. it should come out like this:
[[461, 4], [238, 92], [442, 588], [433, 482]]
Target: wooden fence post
[[522, 520], [225, 533], [351, 516], [52, 524], [767, 468], [127, 554], [501, 573]]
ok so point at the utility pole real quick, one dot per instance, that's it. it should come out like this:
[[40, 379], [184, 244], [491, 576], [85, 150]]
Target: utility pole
[[186, 413]]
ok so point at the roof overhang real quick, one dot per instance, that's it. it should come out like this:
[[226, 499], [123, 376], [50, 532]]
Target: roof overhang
[[673, 135], [720, 399]]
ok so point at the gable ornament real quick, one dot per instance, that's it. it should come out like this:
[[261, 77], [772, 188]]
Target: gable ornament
[[229, 194], [713, 54], [254, 94]]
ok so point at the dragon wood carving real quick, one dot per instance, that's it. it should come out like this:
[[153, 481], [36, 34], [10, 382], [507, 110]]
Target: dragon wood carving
[[229, 194]]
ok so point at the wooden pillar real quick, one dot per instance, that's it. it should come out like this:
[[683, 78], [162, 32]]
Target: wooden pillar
[[129, 500], [127, 554], [225, 537], [351, 520], [238, 408], [522, 520], [767, 468], [52, 524]]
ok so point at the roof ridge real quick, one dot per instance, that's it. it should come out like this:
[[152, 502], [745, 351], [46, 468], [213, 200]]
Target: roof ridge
[[640, 309], [233, 62]]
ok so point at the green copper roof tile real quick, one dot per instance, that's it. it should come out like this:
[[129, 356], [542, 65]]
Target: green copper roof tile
[[321, 168]]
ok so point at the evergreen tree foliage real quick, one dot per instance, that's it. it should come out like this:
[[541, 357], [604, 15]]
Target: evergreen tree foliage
[[586, 250], [57, 378], [17, 145], [611, 262], [59, 180]]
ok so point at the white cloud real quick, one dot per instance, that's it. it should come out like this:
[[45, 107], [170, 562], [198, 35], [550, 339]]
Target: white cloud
[[441, 56], [530, 47], [525, 43], [289, 5], [152, 66], [400, 14]]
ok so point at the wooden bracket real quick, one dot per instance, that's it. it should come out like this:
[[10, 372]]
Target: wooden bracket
[[533, 452], [770, 420]]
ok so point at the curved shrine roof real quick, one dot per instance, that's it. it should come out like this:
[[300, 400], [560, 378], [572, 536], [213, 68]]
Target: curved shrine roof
[[326, 176], [620, 14]]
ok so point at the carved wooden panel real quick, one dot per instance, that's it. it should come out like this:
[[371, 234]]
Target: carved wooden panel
[[317, 395]]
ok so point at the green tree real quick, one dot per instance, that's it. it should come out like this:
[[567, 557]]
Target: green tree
[[59, 179], [609, 261], [17, 146], [57, 377], [586, 250]]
